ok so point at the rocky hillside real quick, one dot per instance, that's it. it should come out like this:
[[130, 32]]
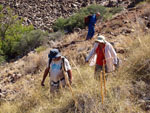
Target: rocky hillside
[[22, 77], [116, 31], [43, 13]]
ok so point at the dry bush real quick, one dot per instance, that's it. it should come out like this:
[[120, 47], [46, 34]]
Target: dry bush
[[121, 95], [86, 92], [140, 56], [35, 63]]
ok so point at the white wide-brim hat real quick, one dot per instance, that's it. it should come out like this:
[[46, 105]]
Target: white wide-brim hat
[[101, 39]]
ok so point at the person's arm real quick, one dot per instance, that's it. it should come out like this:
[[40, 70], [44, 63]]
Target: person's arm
[[92, 52], [67, 68], [69, 72], [45, 75], [114, 54]]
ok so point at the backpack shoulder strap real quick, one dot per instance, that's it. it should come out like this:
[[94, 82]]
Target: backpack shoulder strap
[[63, 63], [49, 61]]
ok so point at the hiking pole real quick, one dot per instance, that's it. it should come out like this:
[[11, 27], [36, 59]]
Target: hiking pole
[[67, 82], [101, 80], [104, 78]]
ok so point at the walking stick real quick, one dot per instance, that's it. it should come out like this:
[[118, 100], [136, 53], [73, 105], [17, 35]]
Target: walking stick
[[102, 74], [101, 80], [67, 82], [104, 78]]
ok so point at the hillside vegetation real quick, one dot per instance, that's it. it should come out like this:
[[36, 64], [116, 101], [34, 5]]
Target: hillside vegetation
[[16, 39], [124, 88], [127, 89], [77, 19]]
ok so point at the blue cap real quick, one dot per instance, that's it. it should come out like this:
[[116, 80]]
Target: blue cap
[[54, 53]]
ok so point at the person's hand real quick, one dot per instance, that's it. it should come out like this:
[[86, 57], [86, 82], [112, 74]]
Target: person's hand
[[86, 61], [70, 81], [42, 83], [116, 66]]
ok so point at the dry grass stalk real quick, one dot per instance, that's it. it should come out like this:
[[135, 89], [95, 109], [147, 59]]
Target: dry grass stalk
[[68, 83]]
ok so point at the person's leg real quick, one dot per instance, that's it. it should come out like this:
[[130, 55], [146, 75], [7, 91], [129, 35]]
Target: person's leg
[[92, 32], [89, 32], [98, 70], [53, 88], [63, 83]]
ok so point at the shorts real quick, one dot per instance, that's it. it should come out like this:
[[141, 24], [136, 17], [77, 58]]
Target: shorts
[[55, 86], [98, 70]]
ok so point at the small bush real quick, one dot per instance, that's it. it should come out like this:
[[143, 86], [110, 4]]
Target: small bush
[[2, 59], [34, 64], [115, 10], [39, 49], [11, 31], [55, 36], [29, 42]]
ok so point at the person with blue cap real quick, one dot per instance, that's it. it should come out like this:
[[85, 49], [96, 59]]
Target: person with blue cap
[[56, 62]]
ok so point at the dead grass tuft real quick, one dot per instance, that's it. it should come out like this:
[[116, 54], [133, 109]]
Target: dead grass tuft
[[34, 63]]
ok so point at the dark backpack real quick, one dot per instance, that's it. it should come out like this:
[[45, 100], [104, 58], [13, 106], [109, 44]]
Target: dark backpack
[[87, 20]]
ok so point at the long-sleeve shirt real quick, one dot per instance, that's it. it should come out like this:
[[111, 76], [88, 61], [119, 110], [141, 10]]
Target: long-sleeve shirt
[[100, 55], [110, 55]]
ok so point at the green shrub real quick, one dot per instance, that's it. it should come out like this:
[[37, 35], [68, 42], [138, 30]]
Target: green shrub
[[11, 32], [29, 42], [77, 20], [39, 49], [2, 57], [15, 38], [59, 24], [115, 10], [55, 36]]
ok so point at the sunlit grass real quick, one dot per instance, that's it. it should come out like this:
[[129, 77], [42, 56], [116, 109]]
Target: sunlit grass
[[120, 97]]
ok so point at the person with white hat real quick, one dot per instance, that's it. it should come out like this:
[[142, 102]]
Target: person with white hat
[[57, 64], [105, 56]]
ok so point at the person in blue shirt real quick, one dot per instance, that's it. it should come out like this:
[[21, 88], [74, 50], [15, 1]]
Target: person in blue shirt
[[91, 25]]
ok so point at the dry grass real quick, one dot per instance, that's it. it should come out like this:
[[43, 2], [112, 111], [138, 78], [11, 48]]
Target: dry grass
[[124, 87], [34, 98], [35, 62]]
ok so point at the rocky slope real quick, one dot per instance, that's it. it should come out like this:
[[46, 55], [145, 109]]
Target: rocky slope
[[43, 13]]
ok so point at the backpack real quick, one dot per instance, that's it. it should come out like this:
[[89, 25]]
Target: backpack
[[87, 20]]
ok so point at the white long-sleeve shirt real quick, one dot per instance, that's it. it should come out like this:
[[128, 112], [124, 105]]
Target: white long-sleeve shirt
[[110, 55]]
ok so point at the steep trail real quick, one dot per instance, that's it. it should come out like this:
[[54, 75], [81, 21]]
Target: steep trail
[[117, 30]]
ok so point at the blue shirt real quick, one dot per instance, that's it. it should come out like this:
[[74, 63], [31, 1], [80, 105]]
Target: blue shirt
[[92, 20]]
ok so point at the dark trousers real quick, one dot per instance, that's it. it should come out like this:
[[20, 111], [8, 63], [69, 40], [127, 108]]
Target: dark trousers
[[91, 32]]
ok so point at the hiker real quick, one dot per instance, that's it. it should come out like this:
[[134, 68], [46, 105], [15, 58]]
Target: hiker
[[57, 64], [91, 24], [105, 56]]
